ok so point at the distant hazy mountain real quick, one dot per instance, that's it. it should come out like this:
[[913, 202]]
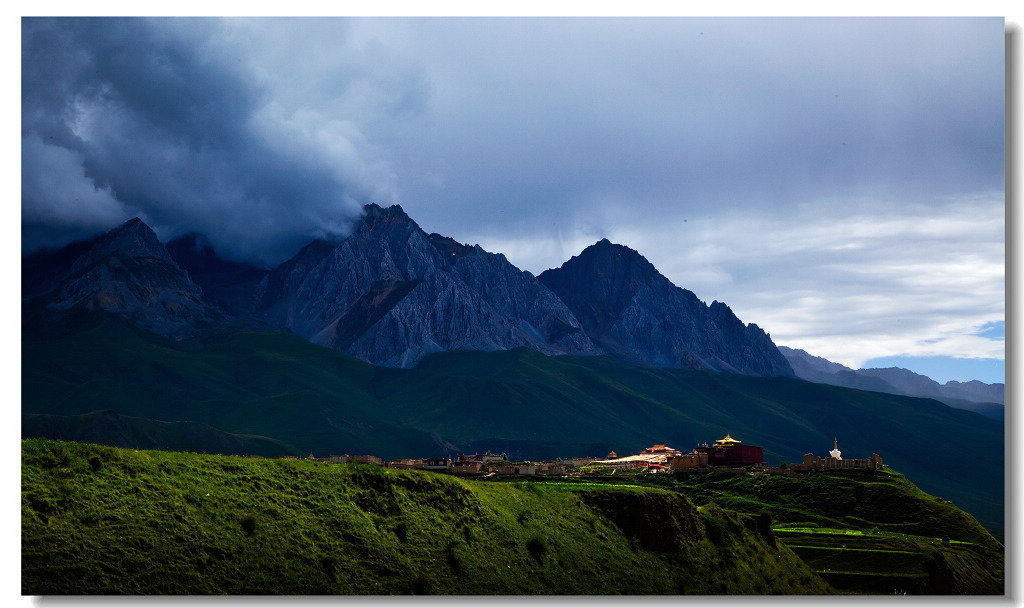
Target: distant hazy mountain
[[638, 315], [986, 399]]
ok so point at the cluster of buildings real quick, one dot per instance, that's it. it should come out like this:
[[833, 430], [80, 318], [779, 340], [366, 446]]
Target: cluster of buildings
[[466, 464], [724, 454]]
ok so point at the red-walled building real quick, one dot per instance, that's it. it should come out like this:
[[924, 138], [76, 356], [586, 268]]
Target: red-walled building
[[731, 452]]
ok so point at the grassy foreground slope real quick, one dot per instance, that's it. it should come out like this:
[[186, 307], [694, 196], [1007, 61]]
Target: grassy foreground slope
[[103, 520]]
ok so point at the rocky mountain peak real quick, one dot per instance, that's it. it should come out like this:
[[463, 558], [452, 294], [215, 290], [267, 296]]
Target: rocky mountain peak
[[637, 314], [128, 273], [390, 294], [617, 261], [601, 282], [376, 217], [132, 239]]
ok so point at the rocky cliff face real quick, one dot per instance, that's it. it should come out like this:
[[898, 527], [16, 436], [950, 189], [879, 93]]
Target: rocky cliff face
[[391, 294], [634, 312], [128, 273]]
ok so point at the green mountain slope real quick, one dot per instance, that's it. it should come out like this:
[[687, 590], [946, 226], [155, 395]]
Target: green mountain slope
[[880, 500], [863, 531], [110, 428], [102, 520], [519, 402]]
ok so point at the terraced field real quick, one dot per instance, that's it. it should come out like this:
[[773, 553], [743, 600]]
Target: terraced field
[[855, 562]]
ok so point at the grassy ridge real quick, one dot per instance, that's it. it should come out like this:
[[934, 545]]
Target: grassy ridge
[[876, 501], [519, 402], [102, 520], [865, 531], [898, 564]]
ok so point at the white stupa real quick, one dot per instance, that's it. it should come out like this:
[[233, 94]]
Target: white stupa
[[835, 453]]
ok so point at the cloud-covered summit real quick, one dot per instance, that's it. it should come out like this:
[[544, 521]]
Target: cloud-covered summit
[[169, 120]]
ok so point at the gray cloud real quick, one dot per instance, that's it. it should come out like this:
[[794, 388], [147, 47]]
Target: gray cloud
[[65, 204], [682, 115]]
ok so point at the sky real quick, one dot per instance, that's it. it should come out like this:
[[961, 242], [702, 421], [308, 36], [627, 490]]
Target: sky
[[837, 181]]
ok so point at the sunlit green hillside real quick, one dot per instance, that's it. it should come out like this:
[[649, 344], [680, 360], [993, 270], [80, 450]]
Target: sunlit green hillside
[[863, 531], [101, 520]]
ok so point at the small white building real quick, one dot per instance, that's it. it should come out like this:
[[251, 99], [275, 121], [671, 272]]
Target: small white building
[[835, 453]]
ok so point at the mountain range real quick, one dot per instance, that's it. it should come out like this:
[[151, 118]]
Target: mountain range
[[391, 294], [986, 399]]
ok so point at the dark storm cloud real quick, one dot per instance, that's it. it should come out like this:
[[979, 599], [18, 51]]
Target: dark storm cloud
[[163, 119], [270, 131]]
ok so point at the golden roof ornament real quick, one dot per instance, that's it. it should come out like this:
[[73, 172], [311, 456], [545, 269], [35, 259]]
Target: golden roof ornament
[[728, 440]]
